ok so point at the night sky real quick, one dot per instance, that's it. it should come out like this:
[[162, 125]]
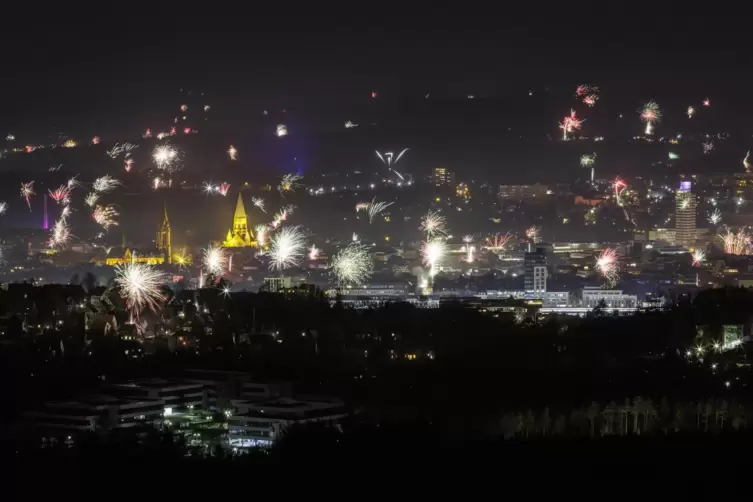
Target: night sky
[[107, 68]]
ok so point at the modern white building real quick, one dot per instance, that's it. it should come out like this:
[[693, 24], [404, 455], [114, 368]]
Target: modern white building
[[685, 216], [259, 424], [613, 298]]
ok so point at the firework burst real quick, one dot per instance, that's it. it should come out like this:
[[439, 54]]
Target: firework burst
[[232, 152], [589, 94], [314, 252], [533, 234], [570, 124], [736, 243], [118, 149], [691, 112], [61, 234], [588, 161], [619, 186], [286, 248], [708, 147], [258, 202], [650, 114], [215, 260], [3, 208], [166, 158], [289, 183], [281, 130], [91, 199], [27, 190], [352, 265], [715, 217], [699, 256], [432, 254], [499, 242], [61, 195], [140, 286], [433, 224], [606, 265], [128, 165], [389, 160], [105, 216], [105, 184], [73, 182], [223, 188]]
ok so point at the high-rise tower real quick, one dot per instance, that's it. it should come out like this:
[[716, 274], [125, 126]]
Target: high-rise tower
[[165, 238], [685, 217]]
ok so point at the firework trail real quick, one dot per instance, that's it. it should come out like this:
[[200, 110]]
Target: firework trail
[[140, 286], [281, 130], [673, 156], [746, 162], [166, 158], [650, 114], [232, 152], [376, 208], [350, 125], [589, 94], [619, 186], [499, 242], [362, 206], [570, 124], [286, 248], [261, 235], [258, 202], [433, 224], [691, 112], [27, 190], [699, 256], [61, 195], [128, 165], [606, 265], [736, 243], [215, 260], [289, 183], [389, 160], [224, 188], [73, 182], [156, 183], [119, 149], [533, 234], [314, 252], [352, 265], [469, 248], [105, 216], [432, 254], [3, 208], [91, 199], [589, 161], [716, 217], [105, 184], [65, 213]]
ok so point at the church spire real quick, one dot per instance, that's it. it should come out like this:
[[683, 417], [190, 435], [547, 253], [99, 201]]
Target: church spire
[[240, 209], [166, 221]]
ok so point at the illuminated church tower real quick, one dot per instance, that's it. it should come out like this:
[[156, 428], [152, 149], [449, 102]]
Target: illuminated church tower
[[164, 239], [240, 235]]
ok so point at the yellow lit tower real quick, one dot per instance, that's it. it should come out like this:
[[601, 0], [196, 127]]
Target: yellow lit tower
[[240, 235], [165, 239]]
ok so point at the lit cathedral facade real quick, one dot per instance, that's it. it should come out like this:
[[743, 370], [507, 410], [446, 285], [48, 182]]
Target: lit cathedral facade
[[240, 235]]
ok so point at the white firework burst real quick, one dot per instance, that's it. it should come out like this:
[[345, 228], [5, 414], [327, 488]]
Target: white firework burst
[[261, 235], [289, 183], [140, 286], [3, 208], [105, 216], [352, 265], [215, 260], [91, 199], [432, 254], [716, 217], [433, 224], [166, 158], [105, 184], [286, 248]]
